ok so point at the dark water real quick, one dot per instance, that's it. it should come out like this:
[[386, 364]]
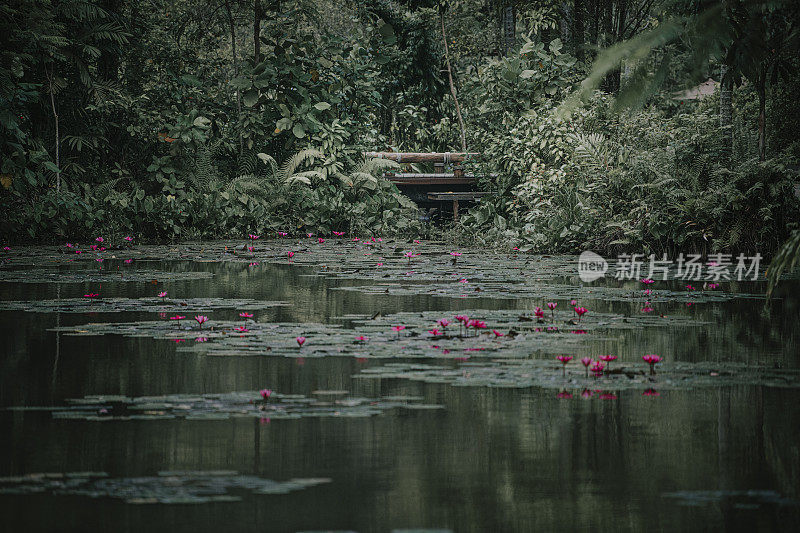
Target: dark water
[[492, 460]]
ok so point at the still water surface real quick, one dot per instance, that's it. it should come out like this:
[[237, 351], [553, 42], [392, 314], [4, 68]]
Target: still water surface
[[492, 460]]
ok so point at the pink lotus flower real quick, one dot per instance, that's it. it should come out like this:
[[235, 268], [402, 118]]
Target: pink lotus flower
[[551, 305], [250, 248], [573, 303], [463, 280], [282, 233], [652, 359], [338, 233], [91, 295], [498, 334], [607, 359], [201, 339], [435, 332], [586, 394], [8, 249], [179, 340], [69, 245], [462, 318], [241, 329], [100, 239], [647, 281], [290, 254], [253, 264], [162, 294], [265, 393], [690, 287], [650, 392], [127, 261], [564, 360], [564, 395], [245, 314], [409, 255], [597, 369], [379, 264], [129, 238], [93, 247], [416, 241], [320, 240], [201, 319], [712, 286], [580, 311], [476, 324], [443, 322], [177, 317], [99, 259], [356, 239], [538, 312], [398, 329], [648, 292], [647, 308], [254, 237], [300, 341], [587, 362], [362, 338], [455, 254]]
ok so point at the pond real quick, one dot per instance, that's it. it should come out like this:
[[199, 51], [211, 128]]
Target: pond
[[118, 415]]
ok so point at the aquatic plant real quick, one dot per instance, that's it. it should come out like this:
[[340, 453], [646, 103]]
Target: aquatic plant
[[597, 369], [564, 360], [580, 311], [290, 254], [552, 307], [162, 294], [300, 341], [201, 319], [652, 359], [607, 359], [245, 314]]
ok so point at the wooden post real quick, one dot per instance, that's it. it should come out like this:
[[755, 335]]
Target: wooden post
[[455, 210]]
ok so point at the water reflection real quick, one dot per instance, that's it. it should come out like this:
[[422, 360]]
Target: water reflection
[[494, 460]]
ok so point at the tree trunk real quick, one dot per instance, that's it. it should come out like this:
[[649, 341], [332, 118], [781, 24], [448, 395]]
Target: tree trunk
[[58, 136], [762, 118], [725, 112], [578, 29], [453, 86], [509, 28], [258, 14], [235, 68]]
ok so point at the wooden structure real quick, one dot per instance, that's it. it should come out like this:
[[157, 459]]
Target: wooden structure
[[436, 179]]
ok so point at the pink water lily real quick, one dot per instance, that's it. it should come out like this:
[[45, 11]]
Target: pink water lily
[[607, 359], [712, 285], [443, 322], [652, 359], [338, 233], [320, 240], [398, 329], [282, 233], [552, 307], [254, 237], [362, 338], [647, 281], [91, 295], [69, 245], [127, 261], [129, 238], [93, 247], [201, 339], [586, 362], [300, 341], [538, 312], [573, 303], [647, 308], [265, 393], [6, 248], [355, 239], [409, 255], [250, 248], [498, 333], [245, 314], [435, 332], [201, 319], [580, 311], [162, 294], [99, 259], [290, 255], [564, 360], [650, 392], [177, 317], [379, 264], [241, 329], [690, 287], [455, 254], [100, 239], [648, 292], [597, 369], [253, 264], [564, 395], [586, 394]]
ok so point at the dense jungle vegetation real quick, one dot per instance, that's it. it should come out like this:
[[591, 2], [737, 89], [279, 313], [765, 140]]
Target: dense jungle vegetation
[[649, 125]]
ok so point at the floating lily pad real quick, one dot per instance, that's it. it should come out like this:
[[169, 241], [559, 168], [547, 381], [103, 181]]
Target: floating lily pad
[[166, 488], [97, 276], [146, 305], [513, 373], [523, 335], [223, 406]]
